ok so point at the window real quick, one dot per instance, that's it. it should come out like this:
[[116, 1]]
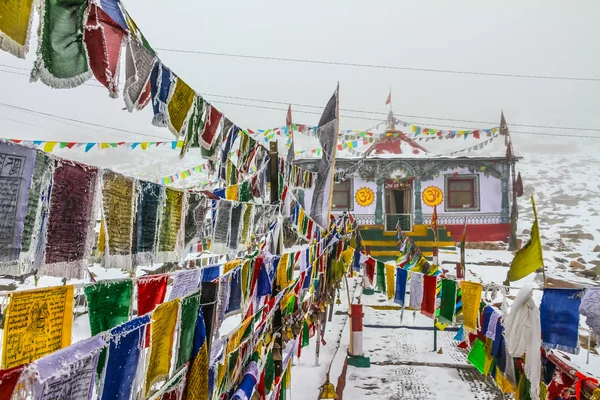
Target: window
[[342, 196], [462, 193]]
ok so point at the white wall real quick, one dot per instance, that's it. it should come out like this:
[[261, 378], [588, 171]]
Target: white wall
[[490, 193]]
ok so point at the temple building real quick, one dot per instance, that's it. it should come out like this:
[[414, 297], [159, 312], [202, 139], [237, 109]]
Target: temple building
[[396, 178]]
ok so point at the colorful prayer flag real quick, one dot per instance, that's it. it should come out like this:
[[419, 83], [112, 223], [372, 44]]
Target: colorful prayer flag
[[164, 322], [529, 258], [471, 298]]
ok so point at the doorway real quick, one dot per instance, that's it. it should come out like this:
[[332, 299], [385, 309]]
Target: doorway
[[397, 201]]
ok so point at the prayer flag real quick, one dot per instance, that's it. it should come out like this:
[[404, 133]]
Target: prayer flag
[[477, 356], [434, 225], [164, 321], [429, 296], [327, 132], [197, 388], [71, 221], [62, 60], [8, 381], [37, 322], [151, 291], [471, 298], [109, 304], [189, 315], [529, 258], [179, 106], [416, 290], [448, 303], [15, 26], [170, 239], [139, 65], [68, 373], [103, 37], [389, 98], [126, 343], [161, 81], [559, 316], [16, 172], [401, 278], [381, 276], [290, 127], [389, 280], [150, 200]]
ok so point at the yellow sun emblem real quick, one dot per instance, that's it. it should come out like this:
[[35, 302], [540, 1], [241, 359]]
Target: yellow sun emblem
[[365, 197]]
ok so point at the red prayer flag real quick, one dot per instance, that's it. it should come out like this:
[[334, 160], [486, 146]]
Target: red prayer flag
[[151, 292], [8, 380], [429, 295], [519, 186], [288, 118], [389, 98], [370, 269], [210, 128]]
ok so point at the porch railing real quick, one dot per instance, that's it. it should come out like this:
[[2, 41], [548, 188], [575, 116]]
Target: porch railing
[[391, 220], [458, 219], [365, 219]]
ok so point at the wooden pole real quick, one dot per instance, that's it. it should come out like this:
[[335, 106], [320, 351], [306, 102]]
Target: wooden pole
[[274, 181]]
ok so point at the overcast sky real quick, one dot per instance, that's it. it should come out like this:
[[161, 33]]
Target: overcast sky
[[554, 38]]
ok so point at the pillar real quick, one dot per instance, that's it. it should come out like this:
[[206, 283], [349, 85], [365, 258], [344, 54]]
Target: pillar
[[505, 209], [379, 202], [418, 206]]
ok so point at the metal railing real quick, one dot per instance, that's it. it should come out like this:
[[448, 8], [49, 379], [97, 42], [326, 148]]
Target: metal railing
[[459, 219], [391, 220], [365, 219]]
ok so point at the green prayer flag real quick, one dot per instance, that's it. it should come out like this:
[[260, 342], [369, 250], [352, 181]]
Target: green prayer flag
[[269, 371], [381, 277], [448, 303], [108, 304], [305, 334], [477, 356], [189, 315], [62, 60], [245, 192]]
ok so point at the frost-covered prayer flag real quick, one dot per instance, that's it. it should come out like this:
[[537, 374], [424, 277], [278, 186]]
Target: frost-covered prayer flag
[[327, 132]]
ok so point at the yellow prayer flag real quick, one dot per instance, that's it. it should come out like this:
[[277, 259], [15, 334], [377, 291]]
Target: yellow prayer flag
[[101, 238], [471, 298], [300, 219], [281, 275], [347, 256], [229, 265], [164, 321], [231, 193], [390, 281], [180, 105], [530, 257], [49, 146], [38, 322], [15, 26]]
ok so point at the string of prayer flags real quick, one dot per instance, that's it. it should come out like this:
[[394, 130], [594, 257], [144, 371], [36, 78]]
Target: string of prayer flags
[[389, 280], [118, 209], [37, 322], [8, 382], [103, 39], [381, 276], [589, 309], [197, 388], [448, 302], [471, 298], [189, 315], [139, 64], [15, 26], [561, 333], [429, 296], [416, 291], [185, 282], [149, 201], [164, 322], [70, 231], [68, 373], [16, 171], [62, 60], [123, 359], [171, 233]]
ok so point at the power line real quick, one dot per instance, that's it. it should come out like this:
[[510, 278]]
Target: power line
[[356, 111], [392, 67], [78, 121]]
